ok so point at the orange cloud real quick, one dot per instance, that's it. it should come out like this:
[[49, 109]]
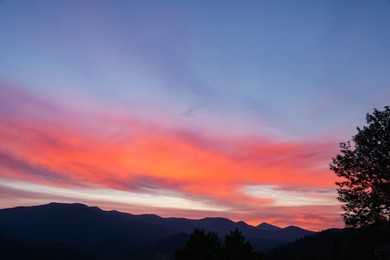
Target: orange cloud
[[55, 146]]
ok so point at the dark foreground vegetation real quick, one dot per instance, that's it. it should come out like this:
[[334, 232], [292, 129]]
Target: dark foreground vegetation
[[368, 243], [202, 245], [365, 243]]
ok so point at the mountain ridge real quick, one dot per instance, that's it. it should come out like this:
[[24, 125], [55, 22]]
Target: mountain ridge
[[103, 232], [261, 226]]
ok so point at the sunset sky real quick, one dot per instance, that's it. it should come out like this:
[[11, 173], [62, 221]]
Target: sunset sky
[[187, 108]]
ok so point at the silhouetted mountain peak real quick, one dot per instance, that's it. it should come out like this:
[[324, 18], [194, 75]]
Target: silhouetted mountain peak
[[50, 208], [150, 216], [290, 227], [293, 232], [268, 227], [294, 228], [68, 205], [216, 219]]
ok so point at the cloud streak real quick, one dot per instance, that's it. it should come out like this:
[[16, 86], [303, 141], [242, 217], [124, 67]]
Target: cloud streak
[[121, 153]]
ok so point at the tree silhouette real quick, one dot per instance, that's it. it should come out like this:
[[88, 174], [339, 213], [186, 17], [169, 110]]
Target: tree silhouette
[[364, 166], [235, 246], [200, 245]]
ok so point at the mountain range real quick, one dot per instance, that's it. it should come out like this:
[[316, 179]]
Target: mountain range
[[89, 232]]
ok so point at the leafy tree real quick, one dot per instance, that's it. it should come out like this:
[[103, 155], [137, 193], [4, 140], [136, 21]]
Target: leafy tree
[[200, 245], [364, 166]]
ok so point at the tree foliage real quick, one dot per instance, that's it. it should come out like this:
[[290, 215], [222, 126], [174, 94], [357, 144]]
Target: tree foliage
[[235, 246], [364, 166], [202, 245]]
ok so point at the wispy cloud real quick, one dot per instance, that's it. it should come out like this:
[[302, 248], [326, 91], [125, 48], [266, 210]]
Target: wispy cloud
[[24, 169], [293, 196], [127, 160]]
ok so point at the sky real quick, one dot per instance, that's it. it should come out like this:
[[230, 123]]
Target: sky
[[187, 108]]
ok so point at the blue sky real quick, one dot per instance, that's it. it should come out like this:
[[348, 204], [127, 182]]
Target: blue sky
[[284, 62]]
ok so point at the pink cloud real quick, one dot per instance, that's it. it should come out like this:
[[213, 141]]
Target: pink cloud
[[57, 146]]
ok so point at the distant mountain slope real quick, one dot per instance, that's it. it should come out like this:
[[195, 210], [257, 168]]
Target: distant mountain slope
[[268, 227], [113, 233], [291, 233]]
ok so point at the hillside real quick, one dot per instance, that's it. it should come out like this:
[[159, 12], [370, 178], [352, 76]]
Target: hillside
[[330, 244]]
